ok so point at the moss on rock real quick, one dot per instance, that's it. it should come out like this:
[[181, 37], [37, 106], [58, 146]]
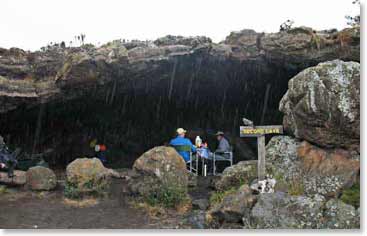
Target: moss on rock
[[351, 195]]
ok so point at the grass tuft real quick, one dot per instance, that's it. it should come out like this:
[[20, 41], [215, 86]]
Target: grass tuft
[[168, 196]]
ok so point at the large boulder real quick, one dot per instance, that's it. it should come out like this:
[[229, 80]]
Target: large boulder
[[322, 104], [19, 178], [243, 172], [41, 178], [86, 176], [280, 210], [157, 169], [301, 168], [233, 207]]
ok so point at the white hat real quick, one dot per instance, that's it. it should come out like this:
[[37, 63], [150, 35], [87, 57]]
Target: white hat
[[180, 131]]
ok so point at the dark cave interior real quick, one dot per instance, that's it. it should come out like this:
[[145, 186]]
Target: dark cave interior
[[131, 114]]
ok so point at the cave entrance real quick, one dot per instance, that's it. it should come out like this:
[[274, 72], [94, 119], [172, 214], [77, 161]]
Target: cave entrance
[[131, 116]]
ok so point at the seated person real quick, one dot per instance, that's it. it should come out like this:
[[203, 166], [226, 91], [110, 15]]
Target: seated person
[[180, 140], [207, 156], [100, 152], [7, 159], [204, 151], [223, 145]]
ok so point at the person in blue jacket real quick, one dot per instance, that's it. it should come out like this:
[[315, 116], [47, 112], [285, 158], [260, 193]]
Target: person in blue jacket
[[180, 140]]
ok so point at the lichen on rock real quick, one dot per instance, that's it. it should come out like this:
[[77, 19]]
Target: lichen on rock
[[41, 178], [301, 168], [86, 176], [160, 177], [322, 105], [243, 172]]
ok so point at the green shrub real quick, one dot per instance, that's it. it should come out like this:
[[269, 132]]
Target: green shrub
[[351, 196], [168, 196], [90, 188], [3, 189], [316, 41], [71, 191]]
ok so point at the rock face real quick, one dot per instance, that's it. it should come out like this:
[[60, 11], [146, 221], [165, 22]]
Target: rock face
[[233, 206], [281, 211], [328, 171], [290, 45], [41, 178], [85, 176], [57, 72], [156, 169], [322, 105], [179, 40], [243, 172], [301, 168], [281, 152]]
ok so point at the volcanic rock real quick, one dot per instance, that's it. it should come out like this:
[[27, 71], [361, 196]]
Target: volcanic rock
[[233, 207], [243, 172], [339, 215], [158, 168], [281, 211], [64, 73], [301, 168], [41, 178], [86, 176], [322, 105]]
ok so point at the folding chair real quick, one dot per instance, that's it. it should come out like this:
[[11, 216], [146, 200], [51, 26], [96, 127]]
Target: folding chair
[[222, 156], [193, 158]]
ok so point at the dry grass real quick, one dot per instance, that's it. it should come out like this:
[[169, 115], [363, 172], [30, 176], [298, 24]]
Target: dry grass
[[184, 208], [88, 202], [41, 194], [208, 218], [154, 212]]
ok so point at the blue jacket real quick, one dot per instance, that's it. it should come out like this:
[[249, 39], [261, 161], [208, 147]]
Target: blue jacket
[[183, 141]]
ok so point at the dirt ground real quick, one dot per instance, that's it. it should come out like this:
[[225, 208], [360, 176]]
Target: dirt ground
[[23, 209], [29, 210]]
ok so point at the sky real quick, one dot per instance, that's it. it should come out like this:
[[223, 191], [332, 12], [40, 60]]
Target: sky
[[31, 24]]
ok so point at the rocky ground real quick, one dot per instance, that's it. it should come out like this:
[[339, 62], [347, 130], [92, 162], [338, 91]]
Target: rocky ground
[[29, 210]]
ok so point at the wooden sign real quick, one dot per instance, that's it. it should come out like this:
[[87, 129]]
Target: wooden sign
[[260, 132], [255, 131]]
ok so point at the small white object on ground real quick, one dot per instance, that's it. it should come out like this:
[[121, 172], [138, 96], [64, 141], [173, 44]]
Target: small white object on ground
[[264, 186]]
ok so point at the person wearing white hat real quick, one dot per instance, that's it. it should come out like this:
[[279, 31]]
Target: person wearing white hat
[[181, 132], [180, 140]]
